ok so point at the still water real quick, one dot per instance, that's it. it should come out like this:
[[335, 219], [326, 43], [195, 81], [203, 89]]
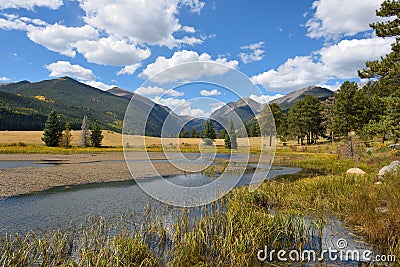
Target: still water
[[57, 207]]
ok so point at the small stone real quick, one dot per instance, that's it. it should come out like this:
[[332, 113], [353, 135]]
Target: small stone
[[355, 171], [381, 210], [378, 183]]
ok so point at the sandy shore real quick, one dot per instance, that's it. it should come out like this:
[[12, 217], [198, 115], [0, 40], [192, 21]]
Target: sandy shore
[[75, 169]]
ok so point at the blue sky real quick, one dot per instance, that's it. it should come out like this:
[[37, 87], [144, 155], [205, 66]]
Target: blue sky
[[280, 45]]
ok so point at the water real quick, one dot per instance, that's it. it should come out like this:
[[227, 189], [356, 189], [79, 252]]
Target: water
[[57, 207], [21, 164]]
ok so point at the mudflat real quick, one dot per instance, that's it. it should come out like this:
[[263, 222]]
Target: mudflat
[[75, 169]]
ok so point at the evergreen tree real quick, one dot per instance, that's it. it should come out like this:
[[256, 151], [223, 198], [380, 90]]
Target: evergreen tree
[[209, 131], [221, 134], [67, 135], [350, 110], [52, 130], [227, 141], [183, 133], [193, 134], [84, 138], [96, 135], [232, 135]]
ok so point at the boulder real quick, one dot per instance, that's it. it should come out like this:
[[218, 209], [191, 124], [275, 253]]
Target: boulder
[[355, 171], [395, 164], [390, 169]]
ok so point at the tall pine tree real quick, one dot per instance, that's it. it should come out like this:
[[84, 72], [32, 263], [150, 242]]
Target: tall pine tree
[[96, 136], [52, 130]]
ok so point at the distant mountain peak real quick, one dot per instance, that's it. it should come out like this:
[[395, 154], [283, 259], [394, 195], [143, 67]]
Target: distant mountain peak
[[285, 102]]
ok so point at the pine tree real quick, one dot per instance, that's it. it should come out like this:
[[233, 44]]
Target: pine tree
[[208, 133], [227, 141], [232, 135], [52, 130], [84, 138], [193, 134], [96, 135], [183, 133], [221, 134], [67, 135]]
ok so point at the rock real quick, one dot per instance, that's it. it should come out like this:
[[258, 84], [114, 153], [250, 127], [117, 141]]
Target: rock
[[394, 146], [355, 171], [381, 210], [390, 169], [395, 164], [378, 183]]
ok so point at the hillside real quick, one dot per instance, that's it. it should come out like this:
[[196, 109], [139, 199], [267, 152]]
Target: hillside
[[245, 109], [25, 106], [287, 101]]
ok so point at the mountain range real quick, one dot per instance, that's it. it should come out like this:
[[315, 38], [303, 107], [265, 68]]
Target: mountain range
[[25, 105]]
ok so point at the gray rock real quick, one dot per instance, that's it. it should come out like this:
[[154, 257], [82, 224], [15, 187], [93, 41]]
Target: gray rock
[[395, 164], [385, 171], [355, 171]]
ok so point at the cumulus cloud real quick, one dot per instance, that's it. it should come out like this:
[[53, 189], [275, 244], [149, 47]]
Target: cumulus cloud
[[265, 98], [347, 18], [254, 52], [186, 72], [30, 4], [61, 39], [111, 51], [339, 61], [130, 69], [150, 90], [155, 90], [210, 93], [65, 68], [4, 79], [188, 29], [181, 107], [142, 22], [98, 85]]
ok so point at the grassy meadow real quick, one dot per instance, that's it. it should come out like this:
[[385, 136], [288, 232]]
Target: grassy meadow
[[233, 230]]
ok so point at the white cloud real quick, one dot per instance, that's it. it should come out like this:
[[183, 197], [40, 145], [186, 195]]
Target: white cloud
[[65, 68], [181, 107], [111, 51], [60, 38], [30, 4], [173, 92], [254, 52], [195, 5], [188, 29], [150, 90], [130, 69], [333, 19], [142, 22], [210, 93], [186, 72], [99, 85], [155, 90], [339, 61], [4, 79], [265, 98]]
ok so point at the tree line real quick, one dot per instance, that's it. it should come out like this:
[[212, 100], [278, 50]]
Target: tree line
[[54, 136]]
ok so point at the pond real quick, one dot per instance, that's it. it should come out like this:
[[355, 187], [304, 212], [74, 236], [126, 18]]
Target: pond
[[57, 207], [8, 164]]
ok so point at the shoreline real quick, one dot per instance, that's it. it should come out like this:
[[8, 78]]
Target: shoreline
[[74, 169]]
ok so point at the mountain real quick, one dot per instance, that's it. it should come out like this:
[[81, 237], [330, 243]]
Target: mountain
[[245, 108], [287, 101], [25, 106]]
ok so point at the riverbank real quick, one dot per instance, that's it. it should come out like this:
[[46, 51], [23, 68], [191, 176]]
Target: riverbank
[[75, 169]]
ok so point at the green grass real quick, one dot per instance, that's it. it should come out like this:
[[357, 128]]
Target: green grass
[[231, 231]]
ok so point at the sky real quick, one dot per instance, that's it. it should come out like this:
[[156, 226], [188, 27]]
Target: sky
[[280, 46]]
